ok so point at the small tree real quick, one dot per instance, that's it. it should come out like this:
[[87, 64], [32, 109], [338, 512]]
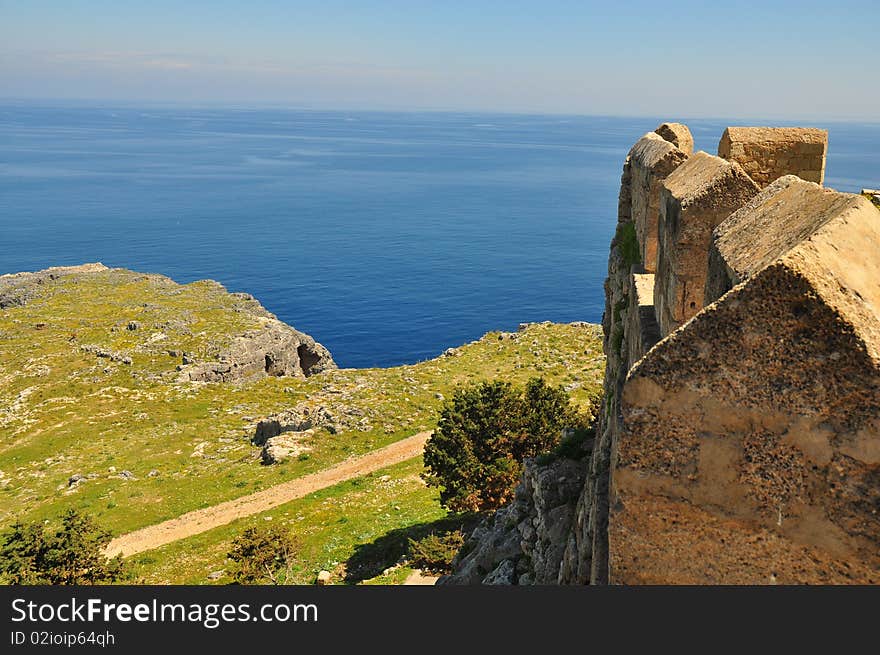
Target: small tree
[[434, 553], [262, 555], [72, 555], [484, 434]]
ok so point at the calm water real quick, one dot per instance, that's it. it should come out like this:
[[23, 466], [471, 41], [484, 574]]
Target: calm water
[[387, 236]]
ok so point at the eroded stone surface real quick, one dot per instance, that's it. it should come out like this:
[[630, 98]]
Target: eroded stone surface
[[781, 217], [695, 198], [679, 135], [16, 289], [768, 153], [764, 412], [525, 542], [274, 350], [651, 160]]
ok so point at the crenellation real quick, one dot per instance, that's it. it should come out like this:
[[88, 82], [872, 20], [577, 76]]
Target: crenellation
[[678, 135], [642, 330], [651, 160], [768, 153], [695, 198], [738, 440], [742, 447]]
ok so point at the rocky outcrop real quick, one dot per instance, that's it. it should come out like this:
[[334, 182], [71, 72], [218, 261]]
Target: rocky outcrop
[[276, 349], [286, 446], [16, 289], [524, 542], [273, 348]]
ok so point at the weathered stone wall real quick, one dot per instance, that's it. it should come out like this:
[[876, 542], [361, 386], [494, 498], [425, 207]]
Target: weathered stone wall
[[779, 218], [740, 444], [744, 447], [651, 159], [678, 135], [748, 449], [768, 153], [694, 199]]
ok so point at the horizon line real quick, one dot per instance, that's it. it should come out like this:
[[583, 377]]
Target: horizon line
[[109, 103]]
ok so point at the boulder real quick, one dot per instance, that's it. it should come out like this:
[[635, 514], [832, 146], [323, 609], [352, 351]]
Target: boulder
[[284, 446]]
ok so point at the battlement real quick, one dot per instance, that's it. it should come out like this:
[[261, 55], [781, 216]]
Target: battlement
[[741, 428], [768, 153]]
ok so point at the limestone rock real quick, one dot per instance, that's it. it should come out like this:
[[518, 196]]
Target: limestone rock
[[678, 135], [274, 350], [503, 574], [768, 153], [651, 160], [285, 446], [16, 289], [698, 196], [529, 534]]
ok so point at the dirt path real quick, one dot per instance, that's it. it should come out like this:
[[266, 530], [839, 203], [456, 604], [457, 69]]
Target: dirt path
[[202, 520], [417, 578]]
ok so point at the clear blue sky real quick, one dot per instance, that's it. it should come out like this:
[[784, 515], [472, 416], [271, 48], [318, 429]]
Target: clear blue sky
[[633, 57]]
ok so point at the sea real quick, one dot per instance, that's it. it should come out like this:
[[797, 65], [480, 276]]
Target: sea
[[388, 237]]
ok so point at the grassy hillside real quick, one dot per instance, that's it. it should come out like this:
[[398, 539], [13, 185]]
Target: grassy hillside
[[152, 447]]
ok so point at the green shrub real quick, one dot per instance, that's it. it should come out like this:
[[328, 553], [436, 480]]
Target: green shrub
[[571, 447], [485, 432], [263, 555], [628, 243], [435, 553], [72, 555]]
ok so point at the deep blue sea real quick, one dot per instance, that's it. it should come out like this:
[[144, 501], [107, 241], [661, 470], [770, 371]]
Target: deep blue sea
[[387, 236]]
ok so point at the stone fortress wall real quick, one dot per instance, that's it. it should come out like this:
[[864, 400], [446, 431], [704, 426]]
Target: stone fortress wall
[[740, 437]]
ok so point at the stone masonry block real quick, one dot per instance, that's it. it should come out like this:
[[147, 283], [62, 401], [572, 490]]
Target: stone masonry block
[[783, 215], [768, 153], [699, 195], [651, 159], [678, 135]]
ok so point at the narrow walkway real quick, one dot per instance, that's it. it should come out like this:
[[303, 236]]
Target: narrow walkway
[[202, 520]]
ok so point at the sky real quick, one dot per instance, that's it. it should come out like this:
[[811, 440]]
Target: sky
[[786, 59]]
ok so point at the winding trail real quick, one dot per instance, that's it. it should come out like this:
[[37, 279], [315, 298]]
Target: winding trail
[[202, 520]]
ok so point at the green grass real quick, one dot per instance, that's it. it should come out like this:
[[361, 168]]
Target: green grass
[[65, 411], [353, 529]]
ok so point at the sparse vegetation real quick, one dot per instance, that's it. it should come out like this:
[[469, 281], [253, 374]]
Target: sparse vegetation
[[628, 242], [435, 552], [131, 445], [71, 555], [262, 555], [484, 434]]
